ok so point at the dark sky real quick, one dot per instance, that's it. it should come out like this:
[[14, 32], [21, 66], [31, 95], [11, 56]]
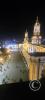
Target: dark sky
[[14, 22]]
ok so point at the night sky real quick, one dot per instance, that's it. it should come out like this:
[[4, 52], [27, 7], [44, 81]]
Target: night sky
[[14, 22]]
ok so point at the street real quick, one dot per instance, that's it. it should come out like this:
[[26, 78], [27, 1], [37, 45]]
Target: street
[[14, 69]]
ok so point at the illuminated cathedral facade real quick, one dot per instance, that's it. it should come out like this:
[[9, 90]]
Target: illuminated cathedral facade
[[34, 53]]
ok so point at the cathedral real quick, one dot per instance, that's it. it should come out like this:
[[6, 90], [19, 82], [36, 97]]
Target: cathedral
[[34, 53]]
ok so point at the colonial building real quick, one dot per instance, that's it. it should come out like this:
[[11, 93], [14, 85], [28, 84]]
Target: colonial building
[[34, 53]]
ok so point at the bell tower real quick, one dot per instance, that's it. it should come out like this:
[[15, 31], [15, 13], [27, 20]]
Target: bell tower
[[26, 36], [37, 27], [36, 38]]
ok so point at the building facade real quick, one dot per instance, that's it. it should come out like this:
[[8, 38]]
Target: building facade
[[34, 53]]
